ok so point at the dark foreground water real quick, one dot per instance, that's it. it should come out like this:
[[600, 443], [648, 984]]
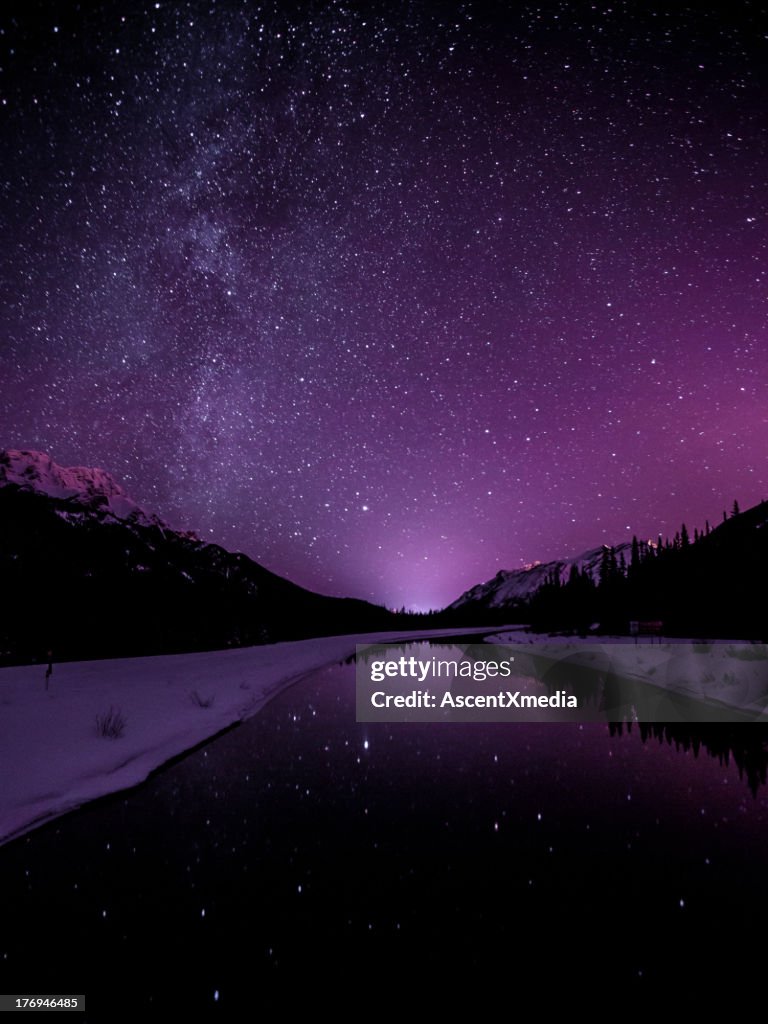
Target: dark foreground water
[[305, 858]]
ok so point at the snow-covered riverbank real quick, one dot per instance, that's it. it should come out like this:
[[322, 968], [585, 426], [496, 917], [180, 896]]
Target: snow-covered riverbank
[[53, 758], [731, 675]]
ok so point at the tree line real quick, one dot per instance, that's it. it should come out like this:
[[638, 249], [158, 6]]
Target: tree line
[[697, 585]]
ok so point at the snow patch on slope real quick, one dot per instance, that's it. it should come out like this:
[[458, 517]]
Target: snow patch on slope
[[512, 585]]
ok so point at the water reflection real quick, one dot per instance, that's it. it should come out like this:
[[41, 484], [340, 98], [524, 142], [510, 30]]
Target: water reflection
[[745, 746]]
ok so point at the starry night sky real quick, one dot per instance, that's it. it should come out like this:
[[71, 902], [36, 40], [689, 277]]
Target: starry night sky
[[390, 296]]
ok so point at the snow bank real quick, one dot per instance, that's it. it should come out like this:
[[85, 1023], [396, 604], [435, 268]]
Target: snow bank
[[52, 757], [723, 674]]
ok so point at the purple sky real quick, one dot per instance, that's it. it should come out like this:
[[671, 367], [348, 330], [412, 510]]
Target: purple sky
[[390, 300]]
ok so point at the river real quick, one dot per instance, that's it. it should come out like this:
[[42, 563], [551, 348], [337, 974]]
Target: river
[[302, 849]]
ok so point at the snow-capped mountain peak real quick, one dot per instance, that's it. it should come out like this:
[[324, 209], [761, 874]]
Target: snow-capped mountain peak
[[509, 586], [91, 489]]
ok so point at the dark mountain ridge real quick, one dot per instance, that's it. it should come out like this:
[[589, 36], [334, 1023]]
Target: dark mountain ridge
[[86, 573]]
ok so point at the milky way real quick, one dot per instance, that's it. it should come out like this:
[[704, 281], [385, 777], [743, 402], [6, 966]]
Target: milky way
[[390, 297]]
